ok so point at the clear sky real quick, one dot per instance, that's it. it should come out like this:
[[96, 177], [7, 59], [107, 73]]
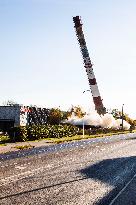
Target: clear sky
[[40, 59]]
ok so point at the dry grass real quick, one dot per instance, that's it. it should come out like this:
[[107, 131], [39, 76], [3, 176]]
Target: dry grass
[[21, 147], [3, 144]]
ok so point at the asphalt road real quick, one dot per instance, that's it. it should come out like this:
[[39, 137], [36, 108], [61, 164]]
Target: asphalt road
[[97, 171]]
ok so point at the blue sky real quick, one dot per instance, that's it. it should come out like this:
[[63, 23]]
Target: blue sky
[[40, 59]]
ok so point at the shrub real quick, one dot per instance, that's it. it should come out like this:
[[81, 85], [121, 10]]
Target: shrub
[[4, 139], [18, 134], [35, 132]]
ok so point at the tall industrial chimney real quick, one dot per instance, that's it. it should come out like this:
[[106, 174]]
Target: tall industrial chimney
[[88, 66]]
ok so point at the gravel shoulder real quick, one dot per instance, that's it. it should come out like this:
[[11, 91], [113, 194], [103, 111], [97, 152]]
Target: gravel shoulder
[[10, 147]]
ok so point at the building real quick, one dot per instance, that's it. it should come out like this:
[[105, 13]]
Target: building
[[19, 115], [13, 116]]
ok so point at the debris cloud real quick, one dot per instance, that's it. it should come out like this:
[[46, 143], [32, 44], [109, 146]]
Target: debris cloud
[[105, 121]]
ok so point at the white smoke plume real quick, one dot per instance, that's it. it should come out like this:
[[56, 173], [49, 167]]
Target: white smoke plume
[[105, 121]]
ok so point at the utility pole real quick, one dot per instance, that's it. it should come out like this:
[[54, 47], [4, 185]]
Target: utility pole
[[122, 116], [83, 128]]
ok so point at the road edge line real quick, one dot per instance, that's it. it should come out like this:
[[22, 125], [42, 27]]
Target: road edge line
[[120, 192]]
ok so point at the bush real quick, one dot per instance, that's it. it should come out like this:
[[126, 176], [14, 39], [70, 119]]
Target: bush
[[36, 132], [18, 134], [4, 139]]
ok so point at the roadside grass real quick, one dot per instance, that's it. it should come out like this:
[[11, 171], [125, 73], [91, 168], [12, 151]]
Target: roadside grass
[[22, 147], [81, 137], [3, 144]]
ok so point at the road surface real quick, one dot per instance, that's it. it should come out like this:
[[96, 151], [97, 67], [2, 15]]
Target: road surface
[[96, 171]]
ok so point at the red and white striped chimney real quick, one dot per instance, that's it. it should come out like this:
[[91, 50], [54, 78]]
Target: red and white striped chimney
[[88, 65]]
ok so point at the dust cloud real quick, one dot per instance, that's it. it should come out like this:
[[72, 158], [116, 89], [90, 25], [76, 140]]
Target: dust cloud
[[105, 121]]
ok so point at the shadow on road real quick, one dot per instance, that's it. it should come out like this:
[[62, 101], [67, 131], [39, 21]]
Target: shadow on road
[[115, 172]]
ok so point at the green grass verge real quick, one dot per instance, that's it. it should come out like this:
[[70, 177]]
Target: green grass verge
[[80, 137]]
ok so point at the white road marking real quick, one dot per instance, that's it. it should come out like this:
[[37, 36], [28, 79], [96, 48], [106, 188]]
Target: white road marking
[[111, 203]]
